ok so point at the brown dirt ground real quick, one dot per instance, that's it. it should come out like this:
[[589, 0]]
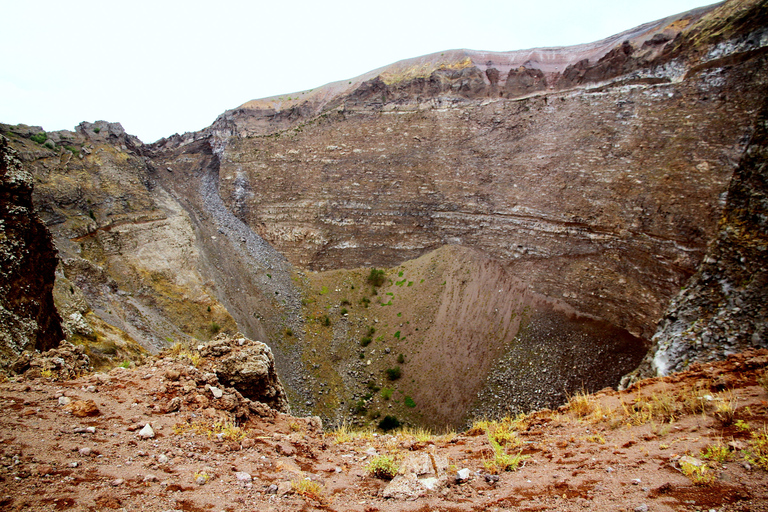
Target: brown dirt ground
[[610, 451]]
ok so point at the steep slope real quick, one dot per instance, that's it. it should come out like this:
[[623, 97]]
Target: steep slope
[[568, 194], [28, 319], [724, 307]]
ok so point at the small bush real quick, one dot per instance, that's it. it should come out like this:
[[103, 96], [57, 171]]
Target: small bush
[[40, 138], [386, 393], [72, 149], [365, 301], [343, 311], [409, 402], [308, 489], [327, 321], [717, 452], [393, 373], [383, 466], [345, 302], [758, 447], [389, 423], [376, 277], [400, 358], [365, 341], [502, 461], [699, 475], [96, 129], [214, 328]]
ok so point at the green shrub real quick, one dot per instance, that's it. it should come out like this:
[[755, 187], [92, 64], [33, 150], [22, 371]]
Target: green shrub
[[343, 311], [365, 301], [397, 335], [365, 341], [376, 277], [400, 358], [39, 137], [389, 423], [72, 149], [49, 144], [386, 393], [214, 328], [96, 129], [409, 402], [327, 321], [393, 373], [383, 466]]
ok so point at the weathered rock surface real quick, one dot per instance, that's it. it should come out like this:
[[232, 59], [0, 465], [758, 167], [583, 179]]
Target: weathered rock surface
[[28, 318], [67, 361], [249, 367], [724, 307]]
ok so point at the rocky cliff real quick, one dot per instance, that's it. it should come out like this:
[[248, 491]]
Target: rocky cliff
[[723, 309], [28, 319], [535, 213]]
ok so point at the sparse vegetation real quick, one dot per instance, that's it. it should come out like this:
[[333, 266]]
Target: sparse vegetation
[[393, 373], [40, 137], [386, 393], [400, 358], [307, 488], [382, 466], [502, 461], [365, 341], [214, 328], [758, 449], [700, 474], [376, 277], [717, 452], [409, 402], [222, 431], [389, 423]]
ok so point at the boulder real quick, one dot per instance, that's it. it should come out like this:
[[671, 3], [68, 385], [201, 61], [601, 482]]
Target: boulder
[[249, 367]]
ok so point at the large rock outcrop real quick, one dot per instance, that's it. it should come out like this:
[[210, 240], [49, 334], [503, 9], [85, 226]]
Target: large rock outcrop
[[249, 367], [28, 318], [724, 307]]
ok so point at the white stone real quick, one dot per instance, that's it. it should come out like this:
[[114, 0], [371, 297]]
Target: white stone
[[147, 432], [243, 477], [217, 393]]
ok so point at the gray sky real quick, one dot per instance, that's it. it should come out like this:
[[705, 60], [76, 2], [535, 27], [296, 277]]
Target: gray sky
[[166, 66]]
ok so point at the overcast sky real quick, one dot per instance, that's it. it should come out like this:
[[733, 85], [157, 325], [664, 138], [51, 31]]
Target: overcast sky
[[160, 67]]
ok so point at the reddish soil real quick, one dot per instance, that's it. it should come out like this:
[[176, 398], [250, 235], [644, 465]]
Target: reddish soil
[[610, 451]]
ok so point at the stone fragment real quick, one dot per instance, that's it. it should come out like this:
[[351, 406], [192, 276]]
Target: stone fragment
[[84, 452], [147, 432], [463, 475], [64, 400], [83, 408], [243, 477], [117, 482]]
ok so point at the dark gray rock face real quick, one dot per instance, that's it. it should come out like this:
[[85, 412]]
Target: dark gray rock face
[[28, 317], [724, 307]]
